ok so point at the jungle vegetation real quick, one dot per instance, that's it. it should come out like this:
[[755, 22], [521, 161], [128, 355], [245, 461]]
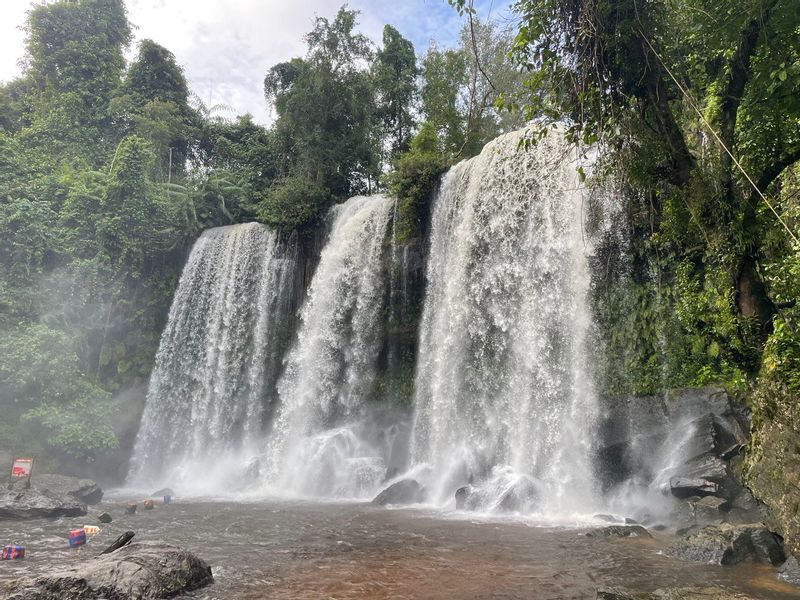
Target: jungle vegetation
[[110, 170]]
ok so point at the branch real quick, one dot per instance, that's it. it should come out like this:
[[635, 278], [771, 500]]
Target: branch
[[739, 71], [654, 90], [774, 170]]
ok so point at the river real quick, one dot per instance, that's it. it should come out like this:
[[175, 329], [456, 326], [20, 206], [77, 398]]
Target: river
[[297, 550]]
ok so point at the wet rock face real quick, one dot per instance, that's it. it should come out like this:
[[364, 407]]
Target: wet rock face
[[85, 490], [405, 491], [698, 425], [772, 464], [49, 496], [730, 545], [137, 572]]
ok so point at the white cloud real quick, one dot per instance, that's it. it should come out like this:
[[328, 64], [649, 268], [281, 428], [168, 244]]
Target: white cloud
[[227, 46]]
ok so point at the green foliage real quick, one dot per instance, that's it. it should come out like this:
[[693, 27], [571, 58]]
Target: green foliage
[[153, 103], [293, 202], [325, 108], [709, 259], [75, 61], [155, 75], [782, 356], [241, 149], [40, 376], [462, 87], [413, 180], [395, 72], [444, 74]]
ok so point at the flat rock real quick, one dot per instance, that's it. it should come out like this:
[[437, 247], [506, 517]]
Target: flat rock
[[48, 496], [405, 491], [685, 487], [709, 511], [619, 531], [141, 571], [85, 490], [729, 545], [35, 503]]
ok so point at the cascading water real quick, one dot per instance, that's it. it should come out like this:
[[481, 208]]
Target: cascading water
[[323, 441], [505, 406], [217, 362]]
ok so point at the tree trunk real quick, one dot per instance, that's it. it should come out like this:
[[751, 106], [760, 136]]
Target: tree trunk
[[752, 300]]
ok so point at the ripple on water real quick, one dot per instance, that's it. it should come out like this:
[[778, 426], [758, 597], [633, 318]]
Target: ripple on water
[[304, 550]]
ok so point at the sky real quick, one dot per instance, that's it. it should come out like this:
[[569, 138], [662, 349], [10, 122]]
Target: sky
[[227, 46]]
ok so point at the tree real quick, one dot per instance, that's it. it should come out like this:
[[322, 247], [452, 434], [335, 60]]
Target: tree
[[443, 75], [155, 75], [489, 75], [41, 383], [325, 110], [395, 75], [154, 103], [75, 49], [615, 70]]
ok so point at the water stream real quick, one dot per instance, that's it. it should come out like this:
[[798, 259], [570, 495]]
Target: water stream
[[504, 400], [217, 363], [324, 441]]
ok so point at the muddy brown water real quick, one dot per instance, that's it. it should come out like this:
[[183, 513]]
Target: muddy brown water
[[297, 550]]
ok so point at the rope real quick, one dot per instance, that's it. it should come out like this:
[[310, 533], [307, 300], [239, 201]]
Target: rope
[[719, 140]]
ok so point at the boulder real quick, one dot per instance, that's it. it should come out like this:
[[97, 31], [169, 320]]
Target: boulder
[[139, 571], [744, 508], [520, 496], [708, 467], [168, 491], [104, 517], [405, 491], [729, 545], [85, 490], [49, 495], [697, 428], [684, 487], [34, 503], [790, 571], [709, 510], [607, 518], [462, 497], [619, 531]]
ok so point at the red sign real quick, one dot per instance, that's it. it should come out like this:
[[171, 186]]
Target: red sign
[[22, 467]]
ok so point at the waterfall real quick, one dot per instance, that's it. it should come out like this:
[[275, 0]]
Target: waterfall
[[217, 363], [505, 406], [324, 440]]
